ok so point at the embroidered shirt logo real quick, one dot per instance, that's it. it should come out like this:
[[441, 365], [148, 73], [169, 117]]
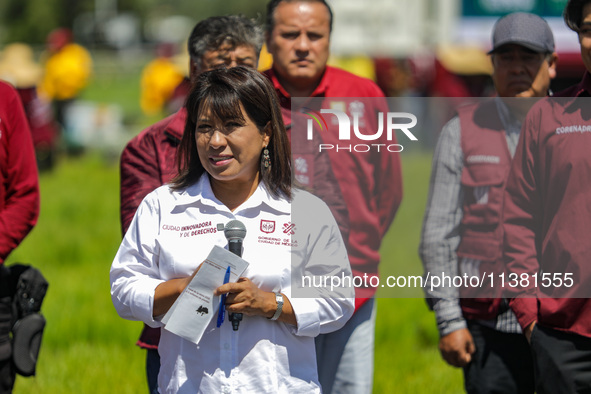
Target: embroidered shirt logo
[[267, 226], [483, 159], [579, 128], [289, 228], [301, 165], [301, 170]]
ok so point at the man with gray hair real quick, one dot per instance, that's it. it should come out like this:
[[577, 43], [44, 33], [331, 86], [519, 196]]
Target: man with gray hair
[[462, 228], [149, 159], [225, 41]]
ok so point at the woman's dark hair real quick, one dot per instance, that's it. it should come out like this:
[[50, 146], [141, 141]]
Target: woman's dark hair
[[573, 13], [221, 91]]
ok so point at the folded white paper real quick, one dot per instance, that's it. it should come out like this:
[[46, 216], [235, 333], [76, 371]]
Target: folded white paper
[[192, 311]]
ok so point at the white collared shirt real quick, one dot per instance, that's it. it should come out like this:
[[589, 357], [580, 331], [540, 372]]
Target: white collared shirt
[[174, 231]]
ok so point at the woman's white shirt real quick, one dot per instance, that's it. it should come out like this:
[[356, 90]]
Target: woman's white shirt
[[174, 231]]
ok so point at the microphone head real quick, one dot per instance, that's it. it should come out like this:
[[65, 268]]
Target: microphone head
[[235, 230]]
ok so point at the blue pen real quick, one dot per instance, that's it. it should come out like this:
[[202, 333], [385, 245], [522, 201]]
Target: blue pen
[[222, 310]]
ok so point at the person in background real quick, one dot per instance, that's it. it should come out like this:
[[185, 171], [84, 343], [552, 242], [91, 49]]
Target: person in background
[[19, 208], [148, 160], [160, 78], [177, 98], [462, 231], [68, 68], [298, 38], [234, 164], [184, 87], [18, 67], [547, 210]]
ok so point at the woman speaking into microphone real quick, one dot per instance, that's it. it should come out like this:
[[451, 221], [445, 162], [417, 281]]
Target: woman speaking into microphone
[[234, 164]]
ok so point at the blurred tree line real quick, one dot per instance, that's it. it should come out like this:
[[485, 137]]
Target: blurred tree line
[[31, 20]]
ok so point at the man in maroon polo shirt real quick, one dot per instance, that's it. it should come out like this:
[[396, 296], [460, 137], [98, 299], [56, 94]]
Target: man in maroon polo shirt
[[297, 36], [149, 159], [19, 208], [546, 222]]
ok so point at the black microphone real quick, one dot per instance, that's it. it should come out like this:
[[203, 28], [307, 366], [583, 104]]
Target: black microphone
[[235, 231]]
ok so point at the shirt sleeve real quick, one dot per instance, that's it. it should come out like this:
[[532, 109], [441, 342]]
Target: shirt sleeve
[[134, 273], [139, 176], [20, 208], [522, 215], [440, 235], [319, 307]]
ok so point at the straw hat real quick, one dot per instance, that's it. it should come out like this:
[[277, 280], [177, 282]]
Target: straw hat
[[18, 67], [464, 60]]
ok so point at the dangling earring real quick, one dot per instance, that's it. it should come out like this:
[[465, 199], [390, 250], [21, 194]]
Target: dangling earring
[[266, 158]]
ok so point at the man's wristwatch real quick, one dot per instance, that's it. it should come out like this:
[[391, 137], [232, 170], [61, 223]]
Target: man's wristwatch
[[279, 299]]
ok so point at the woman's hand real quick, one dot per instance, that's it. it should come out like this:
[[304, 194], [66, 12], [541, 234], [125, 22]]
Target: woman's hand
[[167, 292], [245, 297]]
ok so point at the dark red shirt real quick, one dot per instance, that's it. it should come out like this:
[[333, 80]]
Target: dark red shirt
[[19, 183], [44, 130], [147, 162], [371, 183], [547, 212]]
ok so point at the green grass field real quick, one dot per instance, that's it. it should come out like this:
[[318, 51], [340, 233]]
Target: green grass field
[[87, 348]]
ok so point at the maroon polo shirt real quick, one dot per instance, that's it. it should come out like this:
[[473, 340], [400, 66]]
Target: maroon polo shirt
[[19, 183], [547, 211], [371, 182]]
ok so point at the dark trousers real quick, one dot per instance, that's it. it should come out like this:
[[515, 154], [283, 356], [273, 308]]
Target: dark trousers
[[562, 361], [345, 357], [7, 376], [152, 369], [7, 373], [502, 363]]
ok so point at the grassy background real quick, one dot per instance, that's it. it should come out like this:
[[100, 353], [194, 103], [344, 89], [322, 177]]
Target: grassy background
[[87, 348]]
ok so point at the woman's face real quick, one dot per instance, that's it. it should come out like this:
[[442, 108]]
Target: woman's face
[[230, 149]]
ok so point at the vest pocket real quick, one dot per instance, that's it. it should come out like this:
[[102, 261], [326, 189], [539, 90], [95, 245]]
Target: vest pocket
[[483, 186], [482, 247]]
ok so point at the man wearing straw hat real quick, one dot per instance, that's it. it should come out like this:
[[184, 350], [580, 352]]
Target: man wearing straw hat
[[18, 67]]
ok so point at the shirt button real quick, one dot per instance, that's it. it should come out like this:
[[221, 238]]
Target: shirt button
[[226, 346], [226, 390]]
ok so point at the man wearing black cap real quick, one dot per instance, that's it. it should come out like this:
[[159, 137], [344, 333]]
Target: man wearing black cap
[[547, 211], [462, 231]]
